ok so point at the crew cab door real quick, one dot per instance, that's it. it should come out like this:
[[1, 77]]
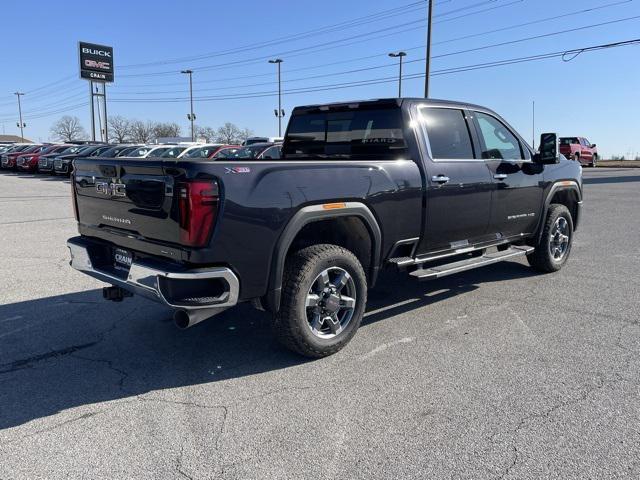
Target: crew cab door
[[459, 185], [517, 189]]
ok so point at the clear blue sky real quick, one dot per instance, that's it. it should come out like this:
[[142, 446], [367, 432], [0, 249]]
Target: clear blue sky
[[596, 95]]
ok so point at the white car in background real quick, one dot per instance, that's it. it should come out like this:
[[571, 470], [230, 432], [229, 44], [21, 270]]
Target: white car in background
[[148, 151]]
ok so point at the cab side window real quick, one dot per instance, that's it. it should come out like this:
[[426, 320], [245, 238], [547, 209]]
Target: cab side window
[[448, 133], [497, 142]]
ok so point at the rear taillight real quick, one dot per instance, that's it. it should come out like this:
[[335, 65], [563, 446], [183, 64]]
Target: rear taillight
[[198, 203]]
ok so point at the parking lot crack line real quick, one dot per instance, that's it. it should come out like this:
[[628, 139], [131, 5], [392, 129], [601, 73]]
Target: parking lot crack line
[[179, 464], [30, 361], [529, 420], [109, 364]]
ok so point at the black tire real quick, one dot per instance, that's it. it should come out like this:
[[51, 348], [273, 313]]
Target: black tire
[[594, 160], [542, 259], [302, 269], [576, 157]]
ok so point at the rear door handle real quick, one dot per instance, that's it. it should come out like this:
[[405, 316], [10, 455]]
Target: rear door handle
[[440, 179], [500, 176]]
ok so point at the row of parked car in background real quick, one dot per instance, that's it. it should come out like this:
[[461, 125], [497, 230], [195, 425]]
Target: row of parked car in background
[[57, 159]]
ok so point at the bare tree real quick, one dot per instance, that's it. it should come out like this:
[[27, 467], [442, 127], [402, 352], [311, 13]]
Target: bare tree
[[142, 132], [245, 133], [68, 129], [119, 128], [166, 129], [206, 133], [229, 133]]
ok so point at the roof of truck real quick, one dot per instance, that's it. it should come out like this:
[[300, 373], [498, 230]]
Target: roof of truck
[[394, 101]]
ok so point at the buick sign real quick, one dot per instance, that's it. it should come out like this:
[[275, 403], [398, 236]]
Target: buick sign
[[96, 62]]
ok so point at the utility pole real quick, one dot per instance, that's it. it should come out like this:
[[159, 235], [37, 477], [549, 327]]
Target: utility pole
[[21, 124], [428, 63], [399, 55], [106, 123], [279, 112], [103, 126], [93, 113], [99, 114], [191, 116]]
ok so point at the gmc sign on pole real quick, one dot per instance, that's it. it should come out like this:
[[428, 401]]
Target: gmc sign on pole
[[96, 62]]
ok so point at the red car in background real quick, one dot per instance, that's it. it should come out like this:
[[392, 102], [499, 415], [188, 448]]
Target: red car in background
[[9, 159], [579, 149], [28, 162]]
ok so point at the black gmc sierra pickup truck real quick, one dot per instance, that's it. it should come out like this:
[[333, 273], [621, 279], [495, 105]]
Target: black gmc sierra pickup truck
[[431, 187]]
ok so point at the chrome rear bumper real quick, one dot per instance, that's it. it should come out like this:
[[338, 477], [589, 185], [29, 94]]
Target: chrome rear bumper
[[157, 283]]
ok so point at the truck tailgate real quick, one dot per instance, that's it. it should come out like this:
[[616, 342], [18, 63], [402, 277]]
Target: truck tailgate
[[133, 197]]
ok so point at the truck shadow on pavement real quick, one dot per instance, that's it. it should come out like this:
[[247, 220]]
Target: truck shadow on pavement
[[73, 350]]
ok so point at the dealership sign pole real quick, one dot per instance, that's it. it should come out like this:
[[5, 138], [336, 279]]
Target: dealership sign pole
[[96, 66]]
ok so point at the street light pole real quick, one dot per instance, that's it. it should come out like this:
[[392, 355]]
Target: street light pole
[[428, 63], [21, 124], [399, 55], [279, 112], [191, 116]]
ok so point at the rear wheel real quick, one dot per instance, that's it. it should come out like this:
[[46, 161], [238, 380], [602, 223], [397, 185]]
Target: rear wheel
[[324, 295], [576, 157], [554, 246]]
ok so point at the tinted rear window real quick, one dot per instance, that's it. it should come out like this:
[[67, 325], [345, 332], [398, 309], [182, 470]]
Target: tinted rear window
[[359, 134], [448, 133]]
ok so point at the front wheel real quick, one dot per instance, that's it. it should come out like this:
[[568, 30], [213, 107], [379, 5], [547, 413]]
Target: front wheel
[[594, 159], [554, 245], [324, 294]]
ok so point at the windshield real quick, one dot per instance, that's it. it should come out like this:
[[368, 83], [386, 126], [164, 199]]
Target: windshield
[[111, 152], [569, 141], [245, 152], [202, 152], [85, 150], [74, 149], [99, 150], [139, 152], [18, 148], [125, 151], [158, 152], [173, 152], [30, 149]]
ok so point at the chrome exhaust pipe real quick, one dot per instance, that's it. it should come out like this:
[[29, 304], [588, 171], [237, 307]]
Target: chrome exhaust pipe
[[188, 318]]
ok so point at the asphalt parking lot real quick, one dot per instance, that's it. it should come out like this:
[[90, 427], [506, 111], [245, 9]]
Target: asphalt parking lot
[[494, 373]]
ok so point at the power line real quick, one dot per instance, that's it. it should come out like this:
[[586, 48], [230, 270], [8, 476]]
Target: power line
[[500, 44], [383, 15], [331, 44], [382, 80], [464, 68]]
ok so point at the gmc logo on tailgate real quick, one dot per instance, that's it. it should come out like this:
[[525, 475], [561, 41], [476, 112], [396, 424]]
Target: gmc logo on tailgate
[[111, 189]]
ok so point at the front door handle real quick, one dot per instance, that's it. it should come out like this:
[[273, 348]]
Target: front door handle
[[500, 176], [440, 179]]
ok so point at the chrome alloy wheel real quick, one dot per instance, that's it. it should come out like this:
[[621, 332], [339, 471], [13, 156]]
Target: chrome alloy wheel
[[559, 239], [330, 302]]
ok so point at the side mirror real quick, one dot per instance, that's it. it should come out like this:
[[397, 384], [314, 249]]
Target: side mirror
[[593, 145], [549, 151]]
